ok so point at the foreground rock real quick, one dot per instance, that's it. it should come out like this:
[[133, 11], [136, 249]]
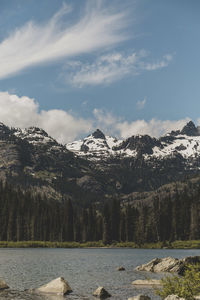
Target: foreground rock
[[101, 293], [58, 286], [3, 285], [150, 282], [168, 264], [174, 297], [140, 297]]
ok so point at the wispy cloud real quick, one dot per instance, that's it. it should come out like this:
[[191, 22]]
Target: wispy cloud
[[159, 64], [111, 67], [141, 103], [36, 43]]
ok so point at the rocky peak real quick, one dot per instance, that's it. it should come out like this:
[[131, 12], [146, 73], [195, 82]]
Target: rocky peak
[[98, 134], [143, 144], [190, 129]]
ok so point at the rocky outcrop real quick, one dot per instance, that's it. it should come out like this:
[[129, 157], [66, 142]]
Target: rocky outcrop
[[168, 264], [3, 285], [58, 286], [98, 134], [140, 297], [174, 297], [146, 282], [101, 293], [190, 129]]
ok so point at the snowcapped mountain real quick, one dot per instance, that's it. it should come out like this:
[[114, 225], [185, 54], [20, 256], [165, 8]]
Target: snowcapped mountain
[[97, 146], [99, 165]]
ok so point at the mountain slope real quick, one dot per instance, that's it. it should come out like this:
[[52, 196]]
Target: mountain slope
[[99, 166]]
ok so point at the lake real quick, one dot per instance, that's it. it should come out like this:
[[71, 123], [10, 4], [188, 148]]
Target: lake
[[84, 269]]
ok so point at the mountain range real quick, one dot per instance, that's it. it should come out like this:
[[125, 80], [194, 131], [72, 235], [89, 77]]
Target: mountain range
[[99, 166]]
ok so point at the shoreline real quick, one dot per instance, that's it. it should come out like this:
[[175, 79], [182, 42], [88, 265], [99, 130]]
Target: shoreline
[[193, 244]]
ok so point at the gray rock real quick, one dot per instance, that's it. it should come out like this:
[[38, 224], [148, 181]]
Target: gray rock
[[148, 267], [150, 282], [58, 286], [168, 264], [3, 285], [174, 297], [140, 297], [101, 293]]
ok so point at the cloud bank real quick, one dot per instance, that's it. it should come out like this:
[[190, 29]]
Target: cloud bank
[[124, 129], [24, 112], [65, 126], [34, 43]]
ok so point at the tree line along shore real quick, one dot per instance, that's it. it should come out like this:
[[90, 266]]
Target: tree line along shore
[[171, 221]]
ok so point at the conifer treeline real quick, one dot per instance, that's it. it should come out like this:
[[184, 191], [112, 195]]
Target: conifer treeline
[[24, 217]]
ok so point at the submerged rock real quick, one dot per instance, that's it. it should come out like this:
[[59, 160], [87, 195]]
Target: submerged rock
[[168, 264], [3, 285], [58, 286], [146, 282], [140, 297], [101, 293]]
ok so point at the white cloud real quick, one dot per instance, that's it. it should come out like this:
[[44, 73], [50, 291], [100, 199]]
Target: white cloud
[[64, 126], [33, 43], [112, 67], [24, 112], [141, 104], [159, 64], [153, 127], [123, 129]]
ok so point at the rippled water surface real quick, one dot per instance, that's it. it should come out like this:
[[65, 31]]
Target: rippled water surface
[[84, 269]]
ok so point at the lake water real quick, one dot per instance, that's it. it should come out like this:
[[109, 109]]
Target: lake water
[[84, 269]]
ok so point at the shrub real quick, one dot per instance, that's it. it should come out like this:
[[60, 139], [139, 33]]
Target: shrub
[[186, 286]]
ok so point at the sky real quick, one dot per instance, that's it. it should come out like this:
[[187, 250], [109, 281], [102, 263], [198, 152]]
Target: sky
[[127, 67]]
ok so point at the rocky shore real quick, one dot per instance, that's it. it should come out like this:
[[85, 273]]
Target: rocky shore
[[59, 287]]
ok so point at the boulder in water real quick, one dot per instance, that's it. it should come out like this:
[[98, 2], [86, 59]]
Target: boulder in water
[[101, 293], [168, 264], [121, 269], [58, 286], [146, 282], [3, 285]]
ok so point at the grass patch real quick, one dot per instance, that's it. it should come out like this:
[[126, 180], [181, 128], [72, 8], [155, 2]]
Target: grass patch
[[194, 244]]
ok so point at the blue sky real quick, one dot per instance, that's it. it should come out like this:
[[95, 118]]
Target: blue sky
[[71, 66]]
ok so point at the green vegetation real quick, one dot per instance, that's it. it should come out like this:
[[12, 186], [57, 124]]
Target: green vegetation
[[187, 286], [98, 244]]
